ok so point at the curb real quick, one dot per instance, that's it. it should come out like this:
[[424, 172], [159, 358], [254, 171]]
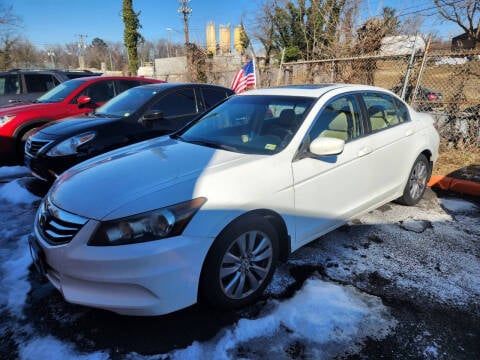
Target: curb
[[457, 185]]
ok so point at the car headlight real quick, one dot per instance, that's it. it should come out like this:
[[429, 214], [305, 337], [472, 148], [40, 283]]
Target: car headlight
[[152, 225], [71, 145], [6, 118]]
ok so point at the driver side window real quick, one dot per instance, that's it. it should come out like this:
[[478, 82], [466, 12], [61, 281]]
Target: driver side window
[[340, 119], [181, 102]]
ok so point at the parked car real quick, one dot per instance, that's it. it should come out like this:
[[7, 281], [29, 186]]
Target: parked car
[[137, 114], [73, 97], [206, 213], [18, 85], [425, 99]]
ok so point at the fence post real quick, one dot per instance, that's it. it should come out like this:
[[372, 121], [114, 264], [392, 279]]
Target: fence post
[[279, 76], [409, 68], [332, 72], [422, 69]]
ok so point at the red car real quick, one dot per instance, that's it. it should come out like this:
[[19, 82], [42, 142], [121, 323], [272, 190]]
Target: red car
[[74, 97]]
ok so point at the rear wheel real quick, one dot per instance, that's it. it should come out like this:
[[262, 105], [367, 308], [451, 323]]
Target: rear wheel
[[240, 263], [417, 182]]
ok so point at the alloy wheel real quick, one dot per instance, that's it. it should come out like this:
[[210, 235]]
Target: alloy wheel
[[246, 264], [418, 180]]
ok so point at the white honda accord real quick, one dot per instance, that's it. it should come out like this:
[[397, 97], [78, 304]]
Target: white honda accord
[[206, 213]]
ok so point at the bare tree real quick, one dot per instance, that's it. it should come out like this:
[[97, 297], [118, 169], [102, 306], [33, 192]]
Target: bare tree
[[464, 13], [9, 22]]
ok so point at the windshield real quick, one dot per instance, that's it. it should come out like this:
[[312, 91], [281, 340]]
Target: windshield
[[60, 92], [255, 124], [127, 102]]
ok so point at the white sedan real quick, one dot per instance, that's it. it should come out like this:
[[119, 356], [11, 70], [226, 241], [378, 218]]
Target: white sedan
[[206, 213]]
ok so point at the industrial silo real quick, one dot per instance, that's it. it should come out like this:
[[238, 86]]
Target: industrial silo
[[211, 40], [225, 38]]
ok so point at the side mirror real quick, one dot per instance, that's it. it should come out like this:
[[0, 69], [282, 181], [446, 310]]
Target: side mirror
[[147, 120], [83, 100], [324, 146]]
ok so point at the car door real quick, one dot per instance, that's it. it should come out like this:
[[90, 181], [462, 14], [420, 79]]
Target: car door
[[178, 108], [331, 189], [99, 92], [391, 131]]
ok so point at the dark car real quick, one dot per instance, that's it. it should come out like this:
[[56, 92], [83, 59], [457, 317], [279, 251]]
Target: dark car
[[27, 85], [425, 99], [70, 98], [137, 114]]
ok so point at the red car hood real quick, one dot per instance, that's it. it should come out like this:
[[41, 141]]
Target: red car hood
[[22, 107]]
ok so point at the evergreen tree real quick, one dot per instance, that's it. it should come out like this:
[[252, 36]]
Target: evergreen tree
[[131, 36]]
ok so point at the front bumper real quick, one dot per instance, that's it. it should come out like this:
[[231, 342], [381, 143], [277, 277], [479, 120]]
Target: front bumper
[[151, 278], [47, 168]]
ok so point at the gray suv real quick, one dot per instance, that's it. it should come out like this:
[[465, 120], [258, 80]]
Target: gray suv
[[26, 85]]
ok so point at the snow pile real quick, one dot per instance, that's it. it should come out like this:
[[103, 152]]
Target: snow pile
[[14, 269], [15, 256], [14, 192], [330, 319], [421, 252], [50, 348]]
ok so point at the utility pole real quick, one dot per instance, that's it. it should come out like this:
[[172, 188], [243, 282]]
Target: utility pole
[[185, 10], [169, 40], [81, 50], [52, 57]]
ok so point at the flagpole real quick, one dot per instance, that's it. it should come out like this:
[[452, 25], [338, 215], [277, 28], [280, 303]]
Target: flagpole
[[254, 62]]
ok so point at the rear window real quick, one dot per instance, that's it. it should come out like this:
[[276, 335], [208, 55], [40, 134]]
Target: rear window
[[9, 84], [40, 82]]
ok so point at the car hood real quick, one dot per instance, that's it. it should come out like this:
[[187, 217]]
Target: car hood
[[138, 178], [72, 126], [16, 108]]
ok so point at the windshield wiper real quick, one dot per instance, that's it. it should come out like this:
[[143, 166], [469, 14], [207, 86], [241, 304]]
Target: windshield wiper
[[104, 115], [211, 144]]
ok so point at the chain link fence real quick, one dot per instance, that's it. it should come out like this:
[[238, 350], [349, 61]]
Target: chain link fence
[[447, 85]]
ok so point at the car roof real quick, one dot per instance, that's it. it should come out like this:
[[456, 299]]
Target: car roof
[[315, 91], [165, 86], [96, 78]]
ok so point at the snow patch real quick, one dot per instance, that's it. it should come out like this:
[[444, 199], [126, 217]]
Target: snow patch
[[15, 285], [15, 192], [333, 319], [50, 348]]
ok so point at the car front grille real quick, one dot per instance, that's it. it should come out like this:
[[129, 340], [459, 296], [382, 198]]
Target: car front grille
[[33, 146], [56, 225]]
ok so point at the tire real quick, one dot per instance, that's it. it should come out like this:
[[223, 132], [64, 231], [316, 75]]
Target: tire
[[237, 270], [417, 182]]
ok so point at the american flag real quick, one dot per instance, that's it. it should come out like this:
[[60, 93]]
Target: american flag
[[244, 78]]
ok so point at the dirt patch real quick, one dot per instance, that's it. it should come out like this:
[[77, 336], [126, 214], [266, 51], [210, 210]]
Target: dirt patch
[[461, 163]]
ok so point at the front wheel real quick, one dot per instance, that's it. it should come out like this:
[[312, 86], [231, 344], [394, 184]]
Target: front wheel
[[417, 182], [240, 263]]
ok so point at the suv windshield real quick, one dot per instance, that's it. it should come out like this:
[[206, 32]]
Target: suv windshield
[[59, 92], [127, 102], [255, 124]]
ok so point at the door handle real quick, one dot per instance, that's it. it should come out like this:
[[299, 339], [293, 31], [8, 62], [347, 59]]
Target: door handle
[[364, 151]]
